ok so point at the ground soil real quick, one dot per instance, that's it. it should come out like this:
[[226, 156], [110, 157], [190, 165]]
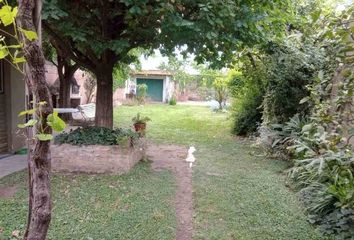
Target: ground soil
[[172, 157], [8, 192]]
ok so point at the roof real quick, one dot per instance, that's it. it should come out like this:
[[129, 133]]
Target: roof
[[153, 73]]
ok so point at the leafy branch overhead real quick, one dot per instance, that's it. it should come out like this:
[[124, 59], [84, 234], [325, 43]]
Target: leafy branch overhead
[[12, 53]]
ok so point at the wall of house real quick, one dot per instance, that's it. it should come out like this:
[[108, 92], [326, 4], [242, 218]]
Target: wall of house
[[3, 126], [15, 103]]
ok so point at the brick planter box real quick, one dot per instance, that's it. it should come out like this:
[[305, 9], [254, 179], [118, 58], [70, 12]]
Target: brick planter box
[[96, 158]]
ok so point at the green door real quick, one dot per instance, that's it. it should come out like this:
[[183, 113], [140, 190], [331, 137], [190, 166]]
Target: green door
[[155, 88]]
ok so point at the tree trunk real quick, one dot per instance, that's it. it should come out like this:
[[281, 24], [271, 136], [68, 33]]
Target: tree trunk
[[104, 97], [66, 72], [39, 162]]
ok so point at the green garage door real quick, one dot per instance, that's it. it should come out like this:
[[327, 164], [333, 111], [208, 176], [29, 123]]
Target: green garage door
[[155, 88]]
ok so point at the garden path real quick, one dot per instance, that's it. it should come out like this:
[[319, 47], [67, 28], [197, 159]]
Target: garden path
[[172, 158]]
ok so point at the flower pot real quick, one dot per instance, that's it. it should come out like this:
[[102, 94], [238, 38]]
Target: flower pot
[[140, 128]]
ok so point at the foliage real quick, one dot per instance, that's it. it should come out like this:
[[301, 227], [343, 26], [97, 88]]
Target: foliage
[[172, 101], [290, 66], [164, 24], [221, 91], [140, 120], [141, 93], [235, 81], [94, 136], [99, 34], [53, 121], [323, 159], [178, 68], [247, 113]]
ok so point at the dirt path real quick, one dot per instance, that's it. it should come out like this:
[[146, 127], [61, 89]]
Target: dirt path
[[172, 157]]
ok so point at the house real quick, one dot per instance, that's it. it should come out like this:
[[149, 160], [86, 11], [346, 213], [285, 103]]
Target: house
[[12, 102], [160, 85], [78, 91]]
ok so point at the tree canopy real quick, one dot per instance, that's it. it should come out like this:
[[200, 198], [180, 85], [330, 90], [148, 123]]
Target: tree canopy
[[98, 34]]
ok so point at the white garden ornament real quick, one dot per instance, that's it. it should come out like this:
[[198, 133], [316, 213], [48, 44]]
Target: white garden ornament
[[190, 157]]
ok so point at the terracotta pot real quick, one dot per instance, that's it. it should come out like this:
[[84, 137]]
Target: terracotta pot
[[140, 127]]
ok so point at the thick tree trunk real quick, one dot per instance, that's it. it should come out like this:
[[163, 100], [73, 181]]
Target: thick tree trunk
[[104, 97], [39, 162]]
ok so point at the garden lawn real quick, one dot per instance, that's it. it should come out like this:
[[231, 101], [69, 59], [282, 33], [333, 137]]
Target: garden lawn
[[238, 194]]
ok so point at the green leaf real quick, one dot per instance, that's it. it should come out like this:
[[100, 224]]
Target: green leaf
[[305, 99], [30, 35], [19, 60], [8, 15], [3, 53], [306, 128], [44, 137], [30, 123], [56, 122], [29, 112]]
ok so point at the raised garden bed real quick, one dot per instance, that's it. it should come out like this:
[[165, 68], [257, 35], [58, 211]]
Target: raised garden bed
[[117, 152]]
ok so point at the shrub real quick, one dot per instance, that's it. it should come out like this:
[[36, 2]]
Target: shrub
[[141, 93], [247, 113], [173, 101], [221, 91], [95, 136]]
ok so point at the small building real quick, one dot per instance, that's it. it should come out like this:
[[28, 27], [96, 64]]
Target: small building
[[160, 85]]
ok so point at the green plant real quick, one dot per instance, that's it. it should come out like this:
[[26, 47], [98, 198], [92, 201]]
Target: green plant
[[95, 136], [173, 101], [246, 111], [140, 120], [220, 86], [141, 93], [52, 121]]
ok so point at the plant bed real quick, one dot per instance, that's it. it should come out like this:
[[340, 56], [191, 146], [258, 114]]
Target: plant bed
[[97, 150]]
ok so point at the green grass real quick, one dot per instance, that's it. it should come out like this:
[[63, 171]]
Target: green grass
[[138, 205], [237, 194]]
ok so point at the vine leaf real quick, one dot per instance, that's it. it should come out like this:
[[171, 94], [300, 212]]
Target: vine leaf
[[30, 123], [56, 122], [30, 35], [29, 112], [8, 15], [44, 137]]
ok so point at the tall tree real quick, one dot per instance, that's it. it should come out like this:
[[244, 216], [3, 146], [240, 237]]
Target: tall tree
[[98, 34]]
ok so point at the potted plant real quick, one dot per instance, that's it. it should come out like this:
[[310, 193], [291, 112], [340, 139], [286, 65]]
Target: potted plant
[[140, 123]]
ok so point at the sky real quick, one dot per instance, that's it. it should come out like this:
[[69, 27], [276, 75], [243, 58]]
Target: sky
[[153, 62]]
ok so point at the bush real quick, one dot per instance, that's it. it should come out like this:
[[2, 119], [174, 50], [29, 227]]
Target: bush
[[141, 93], [95, 136], [247, 113], [172, 101]]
